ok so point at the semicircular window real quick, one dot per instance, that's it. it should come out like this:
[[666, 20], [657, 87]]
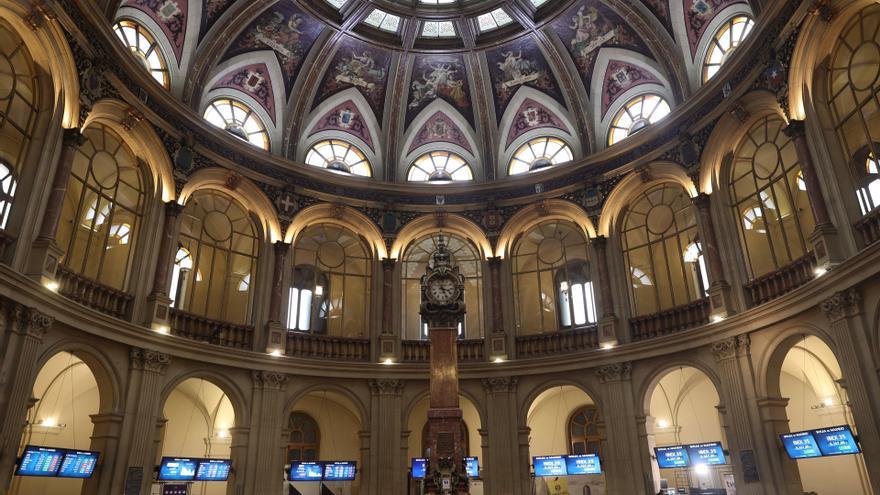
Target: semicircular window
[[239, 120], [726, 39], [144, 47], [638, 113], [538, 154], [440, 167], [339, 156]]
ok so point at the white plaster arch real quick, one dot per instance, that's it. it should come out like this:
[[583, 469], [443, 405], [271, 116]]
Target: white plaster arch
[[543, 387], [439, 105], [645, 389], [768, 364], [354, 403], [605, 56], [237, 397], [109, 379]]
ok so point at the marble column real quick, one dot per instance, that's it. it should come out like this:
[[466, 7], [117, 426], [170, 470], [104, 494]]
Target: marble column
[[387, 341], [844, 311], [45, 254], [265, 464], [388, 471], [275, 329], [502, 464], [608, 327], [720, 300], [158, 301], [106, 433], [24, 328], [824, 237], [497, 340], [624, 466]]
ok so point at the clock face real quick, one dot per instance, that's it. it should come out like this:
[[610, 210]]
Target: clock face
[[442, 290]]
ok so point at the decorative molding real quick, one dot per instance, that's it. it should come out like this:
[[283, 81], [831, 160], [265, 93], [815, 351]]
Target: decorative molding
[[149, 360], [269, 379], [500, 385], [731, 347], [615, 372], [843, 304], [27, 321], [386, 386]]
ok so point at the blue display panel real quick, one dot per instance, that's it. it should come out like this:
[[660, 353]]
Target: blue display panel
[[472, 467], [672, 457], [800, 445], [306, 471], [340, 470], [178, 469], [837, 440], [577, 464], [550, 465], [78, 464], [706, 453], [213, 469], [39, 461], [419, 468]]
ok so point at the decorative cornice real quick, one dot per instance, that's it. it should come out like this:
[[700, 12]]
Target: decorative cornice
[[731, 347], [386, 386], [500, 385], [842, 304], [149, 360], [614, 372], [269, 379], [27, 321], [72, 137]]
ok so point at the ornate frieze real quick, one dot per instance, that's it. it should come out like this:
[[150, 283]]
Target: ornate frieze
[[731, 347], [842, 304], [269, 379], [386, 386], [615, 372], [149, 360], [501, 384]]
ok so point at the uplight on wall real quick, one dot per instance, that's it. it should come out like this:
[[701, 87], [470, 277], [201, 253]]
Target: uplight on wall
[[51, 285], [388, 361], [662, 423], [275, 353], [820, 270]]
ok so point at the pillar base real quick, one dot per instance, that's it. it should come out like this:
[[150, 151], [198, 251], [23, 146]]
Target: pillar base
[[720, 301], [608, 332], [42, 264], [275, 341], [159, 312], [826, 246]]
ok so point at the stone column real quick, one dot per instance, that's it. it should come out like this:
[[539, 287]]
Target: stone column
[[24, 329], [387, 476], [498, 339], [824, 238], [238, 454], [106, 432], [504, 468], [647, 442], [775, 422], [158, 301], [143, 405], [623, 466], [387, 341], [275, 329], [608, 319], [366, 469], [265, 465], [524, 480], [45, 254], [853, 352], [720, 300]]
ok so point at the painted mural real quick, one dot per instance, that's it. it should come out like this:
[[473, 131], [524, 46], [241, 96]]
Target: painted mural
[[285, 30], [211, 11], [345, 117], [253, 80], [619, 77], [170, 15], [361, 66], [516, 64], [589, 26], [660, 9], [532, 115], [697, 16], [439, 76], [440, 128]]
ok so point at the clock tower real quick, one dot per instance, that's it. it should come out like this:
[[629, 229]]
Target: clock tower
[[443, 309]]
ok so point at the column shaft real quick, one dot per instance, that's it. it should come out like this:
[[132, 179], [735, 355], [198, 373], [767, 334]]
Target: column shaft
[[165, 258], [797, 132], [277, 295], [709, 242], [72, 139], [388, 469], [600, 245]]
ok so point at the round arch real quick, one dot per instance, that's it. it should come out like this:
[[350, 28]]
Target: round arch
[[410, 406], [528, 217], [232, 391], [109, 382], [542, 387], [661, 370], [770, 362], [447, 222], [355, 404], [341, 215]]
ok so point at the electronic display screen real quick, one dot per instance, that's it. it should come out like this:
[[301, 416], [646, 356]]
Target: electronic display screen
[[706, 453], [306, 471], [419, 468], [472, 467], [340, 470], [550, 465], [78, 464], [178, 469], [800, 445], [39, 461], [675, 456], [837, 440], [577, 464], [213, 469]]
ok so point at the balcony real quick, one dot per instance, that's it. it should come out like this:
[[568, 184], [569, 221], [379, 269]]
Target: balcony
[[555, 343], [784, 280], [670, 321], [869, 227], [210, 331], [89, 293], [307, 345], [419, 351]]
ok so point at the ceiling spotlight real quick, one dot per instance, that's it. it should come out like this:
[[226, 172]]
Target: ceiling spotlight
[[827, 402]]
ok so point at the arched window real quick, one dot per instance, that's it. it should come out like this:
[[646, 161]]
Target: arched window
[[180, 276], [439, 167], [726, 39], [239, 120], [305, 438], [102, 210], [538, 154], [584, 434], [552, 279], [638, 113], [220, 242], [661, 250], [18, 113], [330, 289], [145, 49], [339, 156], [467, 257], [772, 210], [853, 87]]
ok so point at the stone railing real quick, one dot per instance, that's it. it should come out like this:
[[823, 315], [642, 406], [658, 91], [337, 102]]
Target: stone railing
[[419, 351], [786, 279], [553, 343], [307, 345], [210, 331], [869, 227], [670, 321], [89, 293]]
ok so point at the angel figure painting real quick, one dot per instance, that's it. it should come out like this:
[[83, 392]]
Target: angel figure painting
[[519, 64], [361, 66], [439, 76]]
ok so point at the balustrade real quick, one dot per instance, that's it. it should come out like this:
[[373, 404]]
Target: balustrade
[[869, 227], [307, 345], [783, 280], [89, 293], [210, 331], [419, 351], [553, 343], [670, 321]]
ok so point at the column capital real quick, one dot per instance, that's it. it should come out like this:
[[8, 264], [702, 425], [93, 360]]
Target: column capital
[[616, 372], [149, 360], [73, 137], [599, 242], [731, 347], [494, 261], [500, 385], [281, 248], [842, 304], [386, 386], [795, 129], [173, 208], [30, 321], [388, 263], [269, 379], [702, 201]]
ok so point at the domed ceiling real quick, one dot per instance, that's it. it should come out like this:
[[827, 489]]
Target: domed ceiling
[[400, 78]]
